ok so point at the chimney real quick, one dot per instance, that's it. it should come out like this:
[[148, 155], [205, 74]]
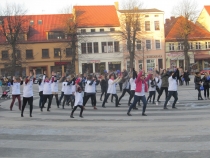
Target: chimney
[[116, 4], [172, 18], [167, 21]]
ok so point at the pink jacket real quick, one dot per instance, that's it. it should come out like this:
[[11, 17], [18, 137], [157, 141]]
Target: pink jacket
[[139, 82]]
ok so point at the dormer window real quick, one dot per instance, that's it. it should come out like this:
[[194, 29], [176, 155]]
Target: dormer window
[[112, 29], [56, 35], [83, 30], [93, 30], [31, 22], [101, 30], [40, 22]]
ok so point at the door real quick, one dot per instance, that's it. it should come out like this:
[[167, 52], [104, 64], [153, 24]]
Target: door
[[160, 64]]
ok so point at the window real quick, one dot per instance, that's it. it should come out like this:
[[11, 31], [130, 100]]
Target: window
[[110, 47], [56, 35], [147, 25], [150, 64], [112, 29], [93, 30], [191, 45], [104, 47], [29, 54], [89, 47], [39, 22], [207, 45], [157, 44], [4, 55], [148, 44], [31, 22], [83, 45], [171, 46], [18, 54], [21, 37], [138, 45], [45, 53], [156, 15], [140, 64], [95, 45], [83, 30], [197, 45], [180, 46], [157, 25], [101, 30], [146, 16], [57, 52], [116, 46], [69, 52]]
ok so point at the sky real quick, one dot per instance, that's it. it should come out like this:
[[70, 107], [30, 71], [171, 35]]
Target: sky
[[56, 6]]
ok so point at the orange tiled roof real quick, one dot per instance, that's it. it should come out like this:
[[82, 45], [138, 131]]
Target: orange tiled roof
[[172, 29], [97, 16], [207, 7]]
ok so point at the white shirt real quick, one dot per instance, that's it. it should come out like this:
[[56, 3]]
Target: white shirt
[[142, 93], [133, 83], [150, 87], [28, 89], [172, 84], [67, 88], [47, 88], [111, 87], [78, 99], [41, 85], [15, 88], [54, 86], [160, 81], [73, 88], [62, 89], [90, 88]]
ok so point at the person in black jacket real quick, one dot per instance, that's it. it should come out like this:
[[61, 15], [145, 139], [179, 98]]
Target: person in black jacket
[[206, 85], [198, 81], [186, 77], [104, 86]]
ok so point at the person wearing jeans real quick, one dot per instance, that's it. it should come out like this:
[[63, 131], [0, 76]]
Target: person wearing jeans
[[141, 88], [206, 86], [172, 89]]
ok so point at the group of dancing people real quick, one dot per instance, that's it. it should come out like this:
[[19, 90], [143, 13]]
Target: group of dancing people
[[76, 90]]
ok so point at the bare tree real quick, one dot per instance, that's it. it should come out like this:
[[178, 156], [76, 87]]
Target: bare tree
[[13, 29], [187, 12], [131, 20]]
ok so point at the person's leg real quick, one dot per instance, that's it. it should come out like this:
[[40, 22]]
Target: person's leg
[[86, 99], [199, 95], [57, 101], [105, 99], [116, 100], [72, 113], [120, 84], [150, 95], [154, 93], [25, 100], [19, 101], [122, 95], [102, 93], [132, 92], [143, 99], [93, 98], [30, 101], [64, 100], [160, 93], [166, 91], [44, 101], [175, 95], [49, 102], [112, 98], [205, 92], [136, 99], [61, 97], [167, 99], [81, 110], [40, 99], [208, 92], [13, 101]]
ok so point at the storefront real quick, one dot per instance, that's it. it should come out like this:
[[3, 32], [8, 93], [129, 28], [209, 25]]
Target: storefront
[[115, 65]]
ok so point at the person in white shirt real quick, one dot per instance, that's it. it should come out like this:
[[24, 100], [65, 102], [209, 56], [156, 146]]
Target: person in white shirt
[[78, 99], [152, 88], [172, 89], [112, 89], [28, 92], [90, 89], [67, 90], [54, 88], [47, 91], [15, 84]]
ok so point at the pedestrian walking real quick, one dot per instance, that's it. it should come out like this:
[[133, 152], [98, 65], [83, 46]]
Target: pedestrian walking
[[198, 81], [206, 82]]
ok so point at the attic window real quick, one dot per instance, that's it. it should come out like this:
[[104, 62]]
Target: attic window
[[40, 22], [146, 15], [101, 30], [112, 29], [31, 22], [83, 30], [93, 30]]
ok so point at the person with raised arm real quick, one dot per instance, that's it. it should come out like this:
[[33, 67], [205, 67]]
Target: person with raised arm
[[54, 88], [28, 91], [141, 88], [15, 84]]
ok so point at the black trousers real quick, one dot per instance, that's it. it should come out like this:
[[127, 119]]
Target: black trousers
[[61, 97], [161, 92], [123, 93], [67, 98], [187, 83], [174, 94], [75, 108], [132, 92], [199, 94], [93, 98], [120, 85], [30, 102], [151, 93], [56, 97], [206, 91], [107, 96], [103, 92], [45, 97]]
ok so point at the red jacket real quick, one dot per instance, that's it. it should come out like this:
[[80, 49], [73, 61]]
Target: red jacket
[[139, 82]]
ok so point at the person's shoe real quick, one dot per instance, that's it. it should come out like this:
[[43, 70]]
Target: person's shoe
[[41, 109], [83, 107], [177, 102], [165, 108], [81, 116], [22, 115], [20, 109], [135, 108], [153, 102], [101, 99], [144, 114], [168, 103], [128, 104], [44, 107], [129, 114], [150, 101], [94, 108], [157, 103], [112, 101], [205, 98], [103, 106], [174, 107], [71, 116], [119, 104], [48, 110], [58, 107], [30, 115], [10, 109]]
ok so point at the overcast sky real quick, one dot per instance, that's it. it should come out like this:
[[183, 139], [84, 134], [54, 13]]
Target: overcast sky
[[55, 6]]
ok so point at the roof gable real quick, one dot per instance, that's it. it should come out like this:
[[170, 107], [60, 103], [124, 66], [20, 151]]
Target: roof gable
[[96, 16]]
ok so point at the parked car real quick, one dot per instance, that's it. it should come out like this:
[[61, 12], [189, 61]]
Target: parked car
[[205, 70]]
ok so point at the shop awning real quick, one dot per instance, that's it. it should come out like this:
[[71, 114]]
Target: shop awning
[[202, 56]]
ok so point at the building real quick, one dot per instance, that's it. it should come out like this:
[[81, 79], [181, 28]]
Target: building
[[44, 46], [100, 44], [199, 45], [150, 44], [204, 18]]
